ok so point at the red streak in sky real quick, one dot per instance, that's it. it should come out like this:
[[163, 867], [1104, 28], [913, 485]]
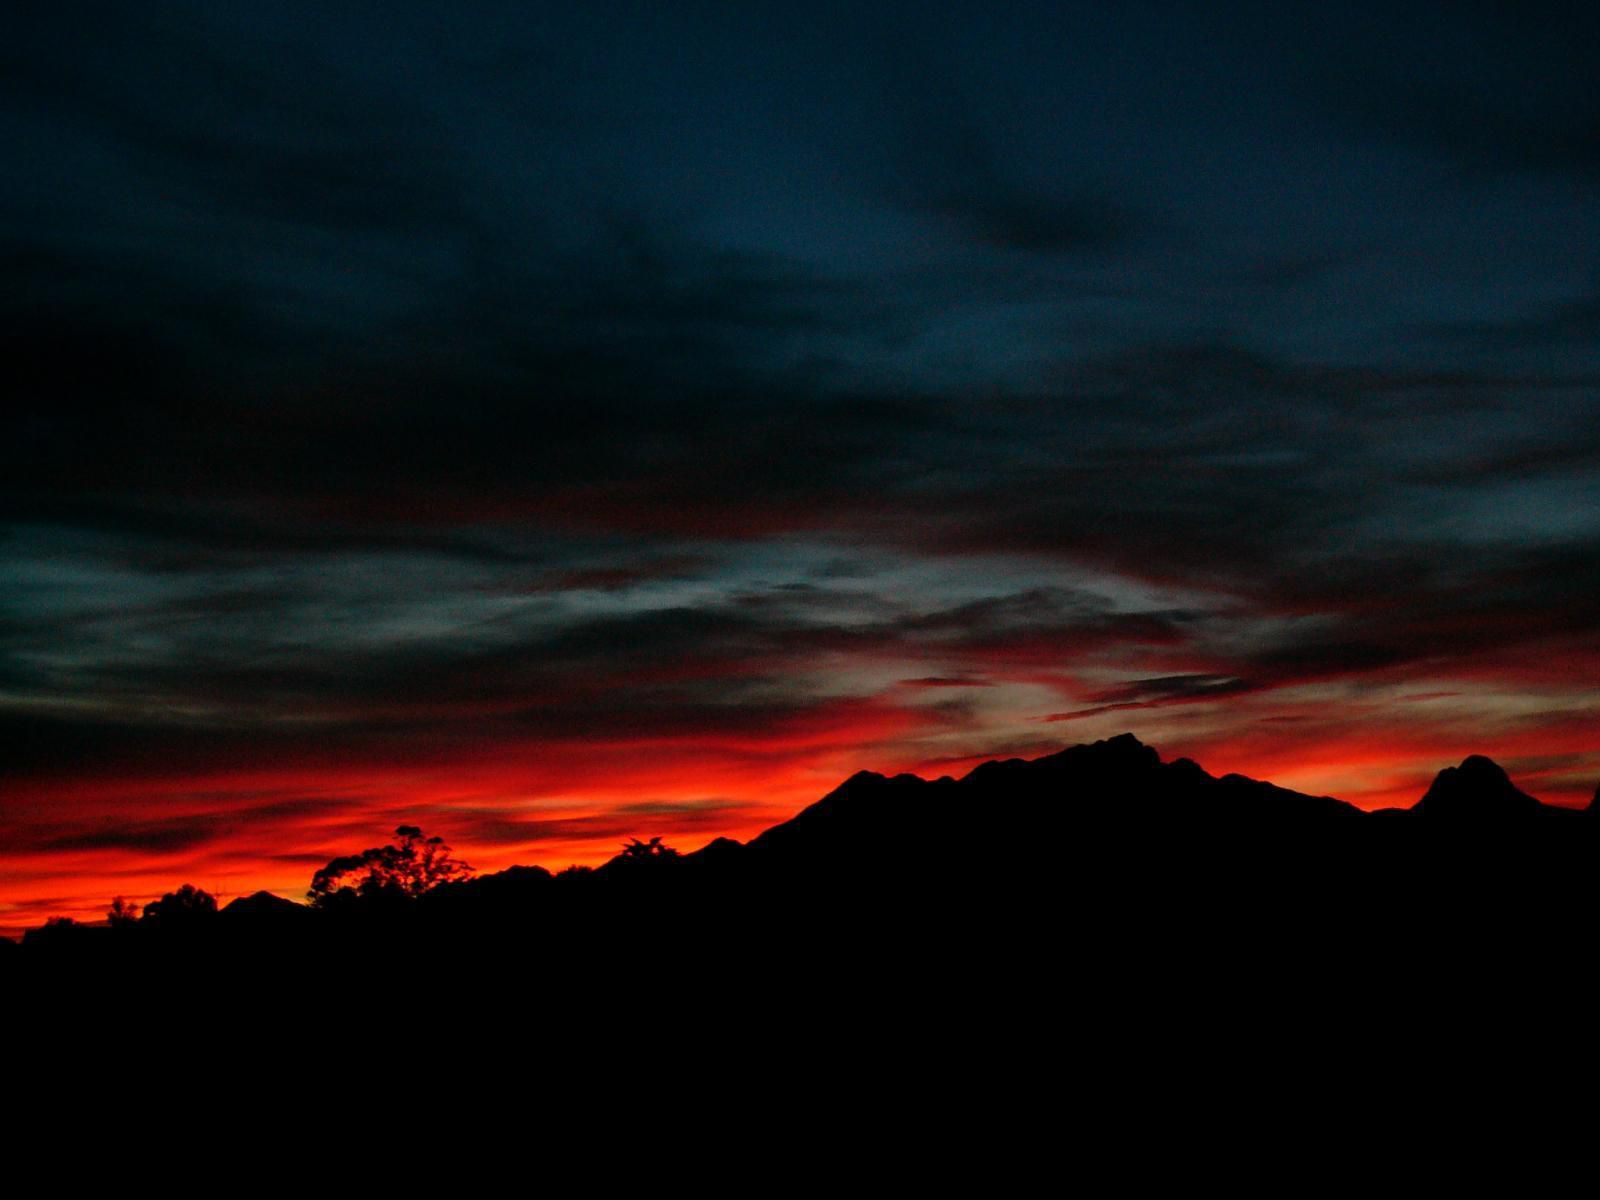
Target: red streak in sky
[[233, 829]]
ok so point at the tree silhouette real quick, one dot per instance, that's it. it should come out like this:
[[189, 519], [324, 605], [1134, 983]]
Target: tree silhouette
[[184, 907], [641, 862], [636, 851], [413, 867], [122, 914]]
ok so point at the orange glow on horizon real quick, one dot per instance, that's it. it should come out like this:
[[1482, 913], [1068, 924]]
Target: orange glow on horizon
[[236, 829]]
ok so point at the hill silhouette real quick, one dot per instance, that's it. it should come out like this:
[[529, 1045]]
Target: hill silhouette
[[1478, 790], [1106, 840]]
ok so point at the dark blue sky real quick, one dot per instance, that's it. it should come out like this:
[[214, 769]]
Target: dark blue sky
[[769, 390]]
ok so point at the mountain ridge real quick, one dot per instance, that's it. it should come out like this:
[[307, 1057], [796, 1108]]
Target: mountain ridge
[[1106, 810]]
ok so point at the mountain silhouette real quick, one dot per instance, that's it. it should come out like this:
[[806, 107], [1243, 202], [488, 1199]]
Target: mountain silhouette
[[261, 906], [1479, 790], [1114, 797], [1104, 844]]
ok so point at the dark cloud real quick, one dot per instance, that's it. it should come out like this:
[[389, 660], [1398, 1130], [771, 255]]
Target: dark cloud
[[947, 161], [1492, 86], [148, 837], [1564, 330], [623, 822], [248, 693]]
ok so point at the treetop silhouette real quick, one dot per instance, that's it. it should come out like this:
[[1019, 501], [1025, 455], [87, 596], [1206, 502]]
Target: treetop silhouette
[[417, 865], [634, 850], [122, 914], [183, 907]]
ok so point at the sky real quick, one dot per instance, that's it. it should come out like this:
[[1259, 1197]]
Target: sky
[[549, 424]]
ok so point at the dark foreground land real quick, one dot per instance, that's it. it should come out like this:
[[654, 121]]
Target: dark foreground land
[[1095, 965], [1060, 954]]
